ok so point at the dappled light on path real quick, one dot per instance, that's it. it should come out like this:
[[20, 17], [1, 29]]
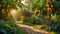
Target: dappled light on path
[[32, 29]]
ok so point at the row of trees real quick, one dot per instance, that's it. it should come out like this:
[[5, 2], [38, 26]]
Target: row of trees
[[43, 7]]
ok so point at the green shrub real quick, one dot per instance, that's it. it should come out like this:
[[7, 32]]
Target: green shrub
[[36, 20], [3, 31], [1, 22], [9, 27], [54, 26]]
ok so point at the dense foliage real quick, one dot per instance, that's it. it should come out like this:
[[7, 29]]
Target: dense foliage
[[7, 23], [45, 13], [41, 12], [9, 27]]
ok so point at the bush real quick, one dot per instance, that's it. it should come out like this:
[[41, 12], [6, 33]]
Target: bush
[[10, 28], [36, 20], [3, 31], [54, 26]]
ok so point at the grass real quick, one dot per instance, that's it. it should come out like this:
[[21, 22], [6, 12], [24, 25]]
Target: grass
[[19, 30], [38, 26], [53, 32]]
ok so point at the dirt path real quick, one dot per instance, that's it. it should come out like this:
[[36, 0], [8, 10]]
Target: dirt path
[[32, 29]]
